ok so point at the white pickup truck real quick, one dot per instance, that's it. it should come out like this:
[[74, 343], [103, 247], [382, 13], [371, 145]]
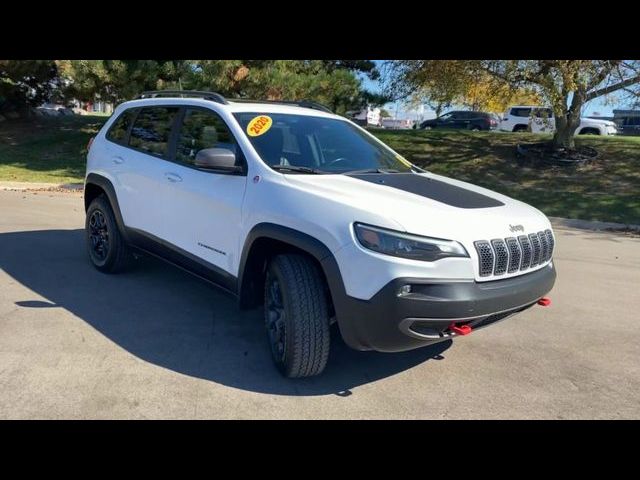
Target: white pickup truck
[[540, 119]]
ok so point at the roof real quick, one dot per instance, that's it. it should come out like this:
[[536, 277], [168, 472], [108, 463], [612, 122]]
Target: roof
[[630, 113], [230, 105]]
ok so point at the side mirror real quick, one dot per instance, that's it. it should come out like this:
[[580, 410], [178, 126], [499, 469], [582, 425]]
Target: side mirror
[[221, 159]]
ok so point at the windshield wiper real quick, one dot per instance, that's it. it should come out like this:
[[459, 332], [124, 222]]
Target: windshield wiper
[[373, 170], [296, 168]]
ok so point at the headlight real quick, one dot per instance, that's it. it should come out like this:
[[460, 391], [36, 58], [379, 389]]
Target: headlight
[[414, 247]]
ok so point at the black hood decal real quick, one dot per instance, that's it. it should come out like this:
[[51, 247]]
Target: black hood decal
[[431, 188]]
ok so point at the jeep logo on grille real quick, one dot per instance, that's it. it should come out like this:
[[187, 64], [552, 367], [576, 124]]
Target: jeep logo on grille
[[516, 228]]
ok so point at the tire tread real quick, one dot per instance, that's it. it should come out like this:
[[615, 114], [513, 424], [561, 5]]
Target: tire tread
[[308, 306], [120, 255]]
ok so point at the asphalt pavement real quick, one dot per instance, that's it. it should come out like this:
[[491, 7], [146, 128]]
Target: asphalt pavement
[[158, 343]]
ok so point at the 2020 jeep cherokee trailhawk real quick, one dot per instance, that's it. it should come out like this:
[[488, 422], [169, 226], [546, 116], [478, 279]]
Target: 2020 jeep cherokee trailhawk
[[286, 205]]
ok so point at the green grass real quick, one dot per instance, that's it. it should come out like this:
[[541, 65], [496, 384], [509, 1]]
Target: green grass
[[607, 190], [54, 150], [51, 150]]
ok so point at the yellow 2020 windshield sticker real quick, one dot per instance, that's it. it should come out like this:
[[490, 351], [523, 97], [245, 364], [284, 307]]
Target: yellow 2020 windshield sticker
[[259, 125]]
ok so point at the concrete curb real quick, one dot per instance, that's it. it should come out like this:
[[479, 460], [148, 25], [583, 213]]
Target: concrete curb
[[592, 225], [26, 186]]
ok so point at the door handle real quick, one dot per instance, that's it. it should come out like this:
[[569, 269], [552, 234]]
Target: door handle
[[118, 160], [173, 177]]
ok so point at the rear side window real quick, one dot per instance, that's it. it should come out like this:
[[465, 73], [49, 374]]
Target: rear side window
[[152, 129], [202, 129], [120, 128], [544, 113], [520, 112]]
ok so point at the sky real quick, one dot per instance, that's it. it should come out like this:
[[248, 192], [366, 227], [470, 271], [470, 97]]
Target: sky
[[596, 106]]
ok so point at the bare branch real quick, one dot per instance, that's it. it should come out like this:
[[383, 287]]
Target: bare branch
[[612, 88]]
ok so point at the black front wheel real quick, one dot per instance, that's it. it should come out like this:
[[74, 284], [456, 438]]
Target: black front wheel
[[296, 315], [107, 249]]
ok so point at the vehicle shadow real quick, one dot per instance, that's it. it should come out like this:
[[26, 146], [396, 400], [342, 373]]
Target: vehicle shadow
[[176, 321]]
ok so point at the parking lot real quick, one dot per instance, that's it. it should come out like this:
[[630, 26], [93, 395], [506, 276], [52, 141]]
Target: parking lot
[[158, 343]]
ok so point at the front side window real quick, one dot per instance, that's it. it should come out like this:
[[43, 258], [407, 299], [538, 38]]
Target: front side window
[[326, 145], [202, 129], [120, 128], [152, 129]]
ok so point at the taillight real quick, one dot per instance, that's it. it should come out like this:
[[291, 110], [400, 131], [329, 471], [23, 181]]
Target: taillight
[[89, 144]]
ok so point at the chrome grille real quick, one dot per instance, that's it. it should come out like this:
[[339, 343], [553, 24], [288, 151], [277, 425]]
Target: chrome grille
[[502, 256], [551, 242], [510, 255], [525, 244], [514, 255], [544, 247], [535, 245], [485, 256]]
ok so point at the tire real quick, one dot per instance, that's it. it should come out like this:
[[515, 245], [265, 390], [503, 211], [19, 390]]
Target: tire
[[520, 128], [589, 131], [107, 249], [296, 313], [475, 129]]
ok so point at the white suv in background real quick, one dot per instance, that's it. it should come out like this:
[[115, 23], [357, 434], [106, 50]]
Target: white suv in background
[[523, 118], [293, 208]]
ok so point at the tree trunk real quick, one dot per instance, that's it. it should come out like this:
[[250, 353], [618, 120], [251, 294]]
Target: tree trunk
[[567, 123], [563, 138]]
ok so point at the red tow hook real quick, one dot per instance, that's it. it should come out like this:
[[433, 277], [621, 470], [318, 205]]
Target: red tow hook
[[544, 301], [460, 330]]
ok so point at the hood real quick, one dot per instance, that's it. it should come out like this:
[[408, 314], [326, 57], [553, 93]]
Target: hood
[[426, 204]]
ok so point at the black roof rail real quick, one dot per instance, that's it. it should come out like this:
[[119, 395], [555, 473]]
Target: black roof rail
[[213, 96], [299, 103]]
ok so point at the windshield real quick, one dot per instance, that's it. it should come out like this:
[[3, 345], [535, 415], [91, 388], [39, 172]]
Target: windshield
[[316, 145]]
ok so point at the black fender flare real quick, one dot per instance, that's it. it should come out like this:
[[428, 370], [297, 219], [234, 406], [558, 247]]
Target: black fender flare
[[303, 241], [343, 304], [106, 186]]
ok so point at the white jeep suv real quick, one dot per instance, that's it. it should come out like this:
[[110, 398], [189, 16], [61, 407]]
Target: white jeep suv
[[539, 120], [289, 206]]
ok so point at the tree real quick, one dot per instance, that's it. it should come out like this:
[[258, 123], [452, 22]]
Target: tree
[[567, 85], [443, 83], [118, 80], [25, 83], [367, 67], [373, 99], [336, 83], [439, 83], [485, 93], [333, 83]]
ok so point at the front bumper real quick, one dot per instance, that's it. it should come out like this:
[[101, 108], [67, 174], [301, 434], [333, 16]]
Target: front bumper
[[393, 322]]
